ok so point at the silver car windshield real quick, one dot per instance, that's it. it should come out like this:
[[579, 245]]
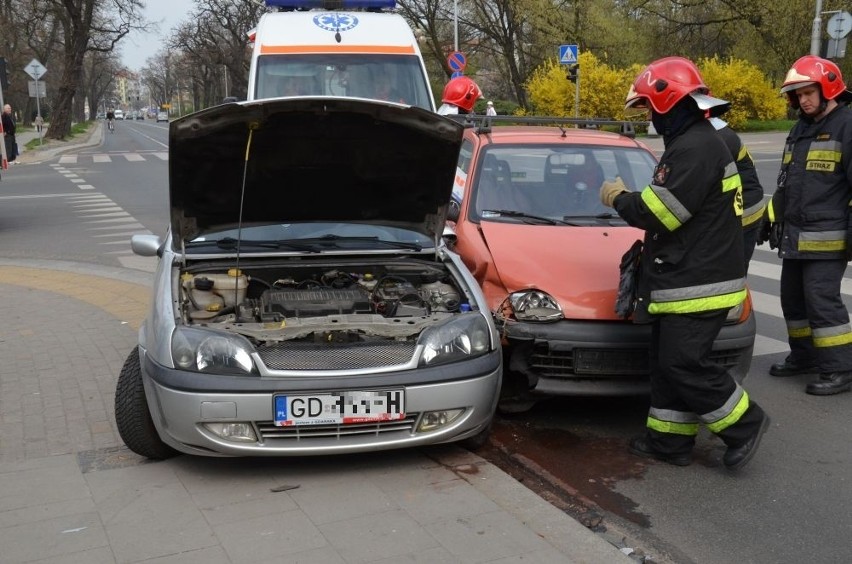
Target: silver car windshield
[[313, 237]]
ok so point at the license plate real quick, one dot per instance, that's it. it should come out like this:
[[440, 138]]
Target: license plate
[[340, 408]]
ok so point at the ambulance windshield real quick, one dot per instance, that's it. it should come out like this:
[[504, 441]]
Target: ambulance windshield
[[393, 78]]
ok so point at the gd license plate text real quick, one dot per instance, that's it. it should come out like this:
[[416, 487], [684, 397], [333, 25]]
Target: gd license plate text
[[339, 408]]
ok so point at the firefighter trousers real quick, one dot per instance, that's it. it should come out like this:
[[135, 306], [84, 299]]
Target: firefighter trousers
[[689, 389], [817, 322]]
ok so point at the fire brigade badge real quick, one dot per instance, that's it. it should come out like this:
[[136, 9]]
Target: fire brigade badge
[[661, 174]]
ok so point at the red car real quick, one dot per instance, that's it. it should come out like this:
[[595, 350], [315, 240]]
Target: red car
[[530, 226]]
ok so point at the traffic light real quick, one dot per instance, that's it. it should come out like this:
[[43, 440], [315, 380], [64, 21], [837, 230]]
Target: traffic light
[[572, 72], [4, 78]]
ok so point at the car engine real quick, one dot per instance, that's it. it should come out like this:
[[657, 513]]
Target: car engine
[[267, 304]]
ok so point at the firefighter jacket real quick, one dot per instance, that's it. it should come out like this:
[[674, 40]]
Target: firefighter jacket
[[691, 212], [812, 198], [753, 206]]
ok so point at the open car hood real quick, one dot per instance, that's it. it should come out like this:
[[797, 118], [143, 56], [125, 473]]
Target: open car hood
[[311, 159]]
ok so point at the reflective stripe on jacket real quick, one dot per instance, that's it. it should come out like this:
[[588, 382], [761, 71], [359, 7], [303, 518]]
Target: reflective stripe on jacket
[[691, 213], [752, 189]]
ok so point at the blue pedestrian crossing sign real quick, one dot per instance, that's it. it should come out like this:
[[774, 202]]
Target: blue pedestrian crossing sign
[[568, 54]]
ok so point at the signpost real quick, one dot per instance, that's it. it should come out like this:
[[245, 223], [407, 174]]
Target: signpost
[[838, 27], [568, 55], [457, 62], [35, 69]]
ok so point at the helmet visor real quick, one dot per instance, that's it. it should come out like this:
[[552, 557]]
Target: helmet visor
[[795, 86], [705, 102]]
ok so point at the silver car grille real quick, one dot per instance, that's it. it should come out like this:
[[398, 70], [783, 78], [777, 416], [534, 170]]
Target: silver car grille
[[322, 356], [296, 433]]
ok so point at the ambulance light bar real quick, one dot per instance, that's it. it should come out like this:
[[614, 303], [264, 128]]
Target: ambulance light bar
[[333, 4]]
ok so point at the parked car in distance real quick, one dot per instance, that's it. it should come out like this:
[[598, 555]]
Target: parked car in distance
[[162, 116], [140, 115], [530, 226], [119, 114], [282, 326]]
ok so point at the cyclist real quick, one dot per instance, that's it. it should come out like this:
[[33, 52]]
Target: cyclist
[[110, 116]]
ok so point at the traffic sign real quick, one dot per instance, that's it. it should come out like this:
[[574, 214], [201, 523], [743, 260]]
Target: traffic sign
[[35, 69], [568, 54], [839, 25], [457, 61], [42, 88], [456, 74]]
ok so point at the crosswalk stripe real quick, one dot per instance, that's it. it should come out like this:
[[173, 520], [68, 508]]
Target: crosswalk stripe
[[108, 158]]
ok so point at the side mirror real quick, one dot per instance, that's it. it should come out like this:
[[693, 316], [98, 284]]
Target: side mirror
[[454, 211]]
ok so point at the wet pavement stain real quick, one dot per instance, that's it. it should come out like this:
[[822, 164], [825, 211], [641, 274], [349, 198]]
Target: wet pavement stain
[[590, 467]]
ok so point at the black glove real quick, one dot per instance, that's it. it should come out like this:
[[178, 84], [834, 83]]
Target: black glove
[[776, 231], [765, 230]]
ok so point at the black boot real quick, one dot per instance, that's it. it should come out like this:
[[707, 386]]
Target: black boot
[[791, 368], [830, 384], [737, 457], [640, 447]]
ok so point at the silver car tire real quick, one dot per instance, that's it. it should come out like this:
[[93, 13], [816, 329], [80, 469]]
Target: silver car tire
[[132, 415]]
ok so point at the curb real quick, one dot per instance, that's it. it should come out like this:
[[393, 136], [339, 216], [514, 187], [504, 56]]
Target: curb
[[93, 138]]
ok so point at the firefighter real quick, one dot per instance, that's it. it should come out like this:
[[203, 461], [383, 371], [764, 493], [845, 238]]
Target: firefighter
[[809, 222], [691, 270], [753, 206], [459, 97]]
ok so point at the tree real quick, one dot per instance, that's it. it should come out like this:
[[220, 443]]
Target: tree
[[87, 25]]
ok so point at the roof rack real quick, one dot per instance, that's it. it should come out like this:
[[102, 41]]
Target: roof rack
[[483, 123]]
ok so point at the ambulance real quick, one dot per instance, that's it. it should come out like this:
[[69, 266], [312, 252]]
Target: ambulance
[[358, 49]]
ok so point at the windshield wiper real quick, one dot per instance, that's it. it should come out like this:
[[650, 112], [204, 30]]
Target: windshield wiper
[[525, 216], [231, 244], [333, 240]]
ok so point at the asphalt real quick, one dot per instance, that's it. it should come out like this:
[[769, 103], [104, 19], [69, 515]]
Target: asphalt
[[71, 492]]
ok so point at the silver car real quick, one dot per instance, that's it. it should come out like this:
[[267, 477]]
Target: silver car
[[303, 303]]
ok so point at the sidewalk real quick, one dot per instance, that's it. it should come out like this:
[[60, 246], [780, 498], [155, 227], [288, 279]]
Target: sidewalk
[[52, 148], [70, 491]]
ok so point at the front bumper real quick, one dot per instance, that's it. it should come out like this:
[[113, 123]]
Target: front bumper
[[599, 358], [181, 402]]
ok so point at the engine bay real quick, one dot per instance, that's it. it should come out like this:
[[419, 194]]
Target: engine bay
[[270, 303]]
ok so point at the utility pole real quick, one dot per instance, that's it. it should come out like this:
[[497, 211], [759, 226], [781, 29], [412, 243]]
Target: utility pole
[[816, 30]]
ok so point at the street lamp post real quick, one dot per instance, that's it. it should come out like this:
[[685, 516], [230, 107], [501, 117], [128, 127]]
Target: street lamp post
[[816, 30]]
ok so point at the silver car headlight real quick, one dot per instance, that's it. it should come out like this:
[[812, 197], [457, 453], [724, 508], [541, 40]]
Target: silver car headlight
[[535, 305], [202, 350], [463, 337]]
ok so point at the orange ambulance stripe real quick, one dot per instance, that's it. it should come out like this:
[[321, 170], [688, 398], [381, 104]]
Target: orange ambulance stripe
[[381, 49]]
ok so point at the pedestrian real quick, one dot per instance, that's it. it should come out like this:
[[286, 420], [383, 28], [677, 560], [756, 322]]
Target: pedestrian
[[489, 109], [459, 96], [691, 270], [809, 222], [9, 134], [39, 122]]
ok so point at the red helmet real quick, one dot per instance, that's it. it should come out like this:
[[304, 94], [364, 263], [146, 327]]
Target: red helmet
[[462, 92], [811, 69], [665, 82]]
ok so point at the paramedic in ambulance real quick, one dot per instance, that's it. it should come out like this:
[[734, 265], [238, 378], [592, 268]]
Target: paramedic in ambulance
[[459, 97], [384, 90]]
